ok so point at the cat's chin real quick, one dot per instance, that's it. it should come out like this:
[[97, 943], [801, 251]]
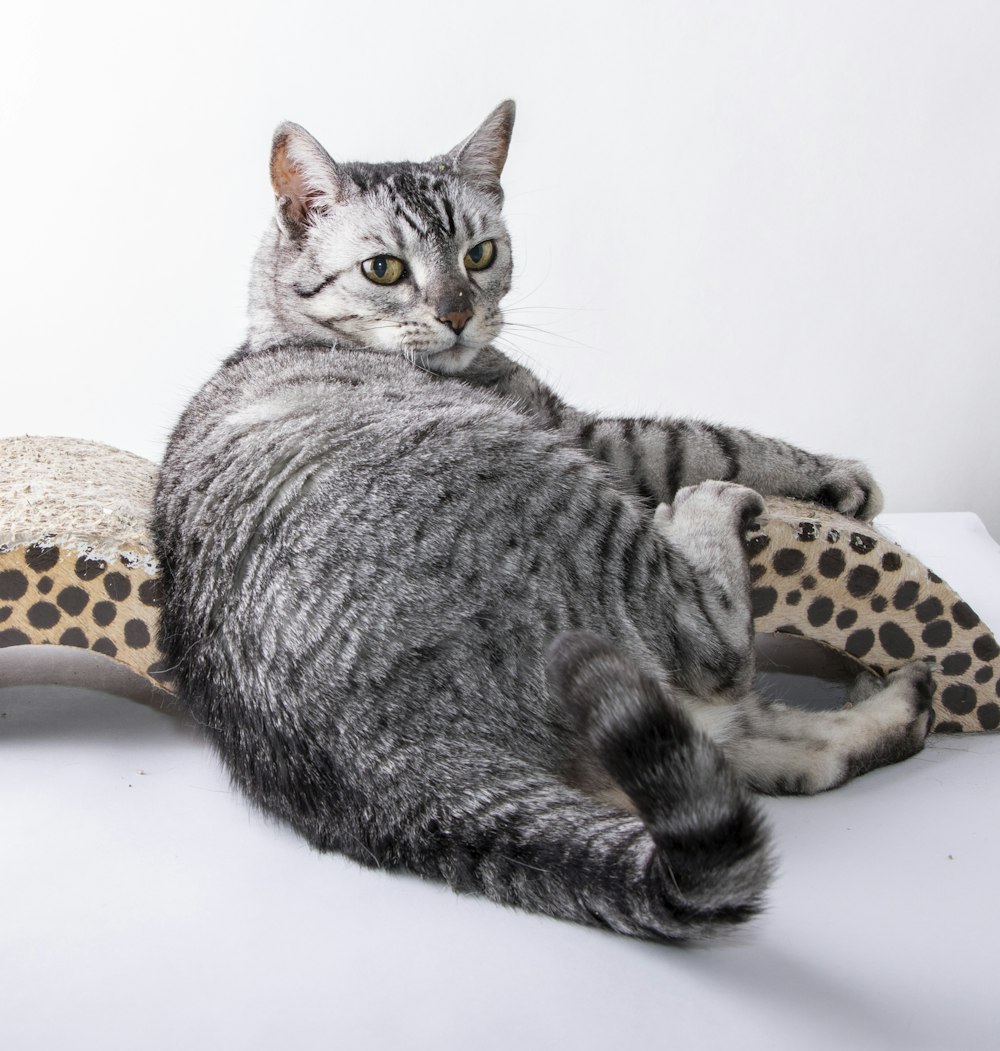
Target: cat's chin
[[448, 362]]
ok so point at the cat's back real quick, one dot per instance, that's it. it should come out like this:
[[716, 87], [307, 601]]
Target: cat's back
[[350, 423], [368, 488]]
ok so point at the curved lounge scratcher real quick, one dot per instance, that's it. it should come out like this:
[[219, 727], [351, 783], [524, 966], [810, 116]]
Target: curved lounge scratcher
[[77, 570], [841, 583]]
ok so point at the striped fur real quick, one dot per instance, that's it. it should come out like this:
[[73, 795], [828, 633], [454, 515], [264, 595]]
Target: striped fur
[[425, 610]]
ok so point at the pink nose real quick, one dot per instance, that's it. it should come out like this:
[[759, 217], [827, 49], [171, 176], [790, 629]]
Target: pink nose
[[456, 319]]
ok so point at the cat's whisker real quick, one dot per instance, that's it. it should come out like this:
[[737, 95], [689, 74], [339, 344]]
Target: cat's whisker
[[518, 353], [554, 337], [527, 295], [533, 306]]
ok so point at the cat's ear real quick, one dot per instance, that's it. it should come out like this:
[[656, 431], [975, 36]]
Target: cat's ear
[[304, 178], [482, 155]]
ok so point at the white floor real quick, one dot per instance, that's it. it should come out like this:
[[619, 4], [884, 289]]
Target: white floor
[[144, 905]]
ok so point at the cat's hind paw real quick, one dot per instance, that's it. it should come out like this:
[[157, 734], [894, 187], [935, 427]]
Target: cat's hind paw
[[709, 504], [902, 712]]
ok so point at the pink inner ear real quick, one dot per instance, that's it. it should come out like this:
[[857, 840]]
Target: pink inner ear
[[287, 181]]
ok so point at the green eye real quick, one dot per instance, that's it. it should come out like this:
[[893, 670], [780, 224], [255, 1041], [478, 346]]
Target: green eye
[[383, 269], [481, 255]]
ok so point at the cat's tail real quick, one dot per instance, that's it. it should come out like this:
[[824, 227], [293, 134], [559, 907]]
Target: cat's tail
[[705, 862]]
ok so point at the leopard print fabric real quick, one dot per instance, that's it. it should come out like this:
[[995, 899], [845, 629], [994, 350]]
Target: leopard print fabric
[[52, 595], [841, 583], [815, 574]]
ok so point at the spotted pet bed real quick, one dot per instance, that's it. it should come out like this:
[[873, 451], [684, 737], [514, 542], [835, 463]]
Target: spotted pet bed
[[77, 570]]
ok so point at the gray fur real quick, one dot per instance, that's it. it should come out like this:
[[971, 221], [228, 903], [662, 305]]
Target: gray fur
[[425, 609]]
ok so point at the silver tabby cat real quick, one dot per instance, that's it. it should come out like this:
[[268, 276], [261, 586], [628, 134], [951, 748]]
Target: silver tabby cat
[[439, 620]]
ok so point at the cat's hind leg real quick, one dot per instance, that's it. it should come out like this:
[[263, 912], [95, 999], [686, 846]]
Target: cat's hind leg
[[780, 749], [689, 857], [706, 524]]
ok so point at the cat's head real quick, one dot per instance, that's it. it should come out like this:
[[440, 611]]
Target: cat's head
[[412, 258]]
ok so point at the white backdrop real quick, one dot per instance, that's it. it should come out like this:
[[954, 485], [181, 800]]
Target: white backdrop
[[780, 215]]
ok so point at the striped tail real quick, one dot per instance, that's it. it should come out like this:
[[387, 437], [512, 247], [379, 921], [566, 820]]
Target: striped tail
[[707, 865]]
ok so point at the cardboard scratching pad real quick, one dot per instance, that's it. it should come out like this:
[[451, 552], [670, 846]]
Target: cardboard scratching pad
[[77, 570]]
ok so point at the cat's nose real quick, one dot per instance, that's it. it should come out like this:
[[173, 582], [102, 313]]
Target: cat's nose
[[456, 319]]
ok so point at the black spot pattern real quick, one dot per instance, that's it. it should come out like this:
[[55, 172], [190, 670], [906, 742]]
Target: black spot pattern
[[861, 543], [832, 563], [757, 571], [906, 594], [937, 633], [929, 609], [891, 562], [948, 727], [762, 601], [989, 716], [756, 544], [73, 637], [879, 603], [793, 598], [846, 618], [44, 585], [117, 586], [956, 663], [985, 648], [820, 611], [104, 613], [13, 637], [808, 582], [959, 698], [5, 612], [136, 634], [788, 561], [806, 531], [151, 592], [89, 568], [895, 641], [43, 615], [862, 580], [860, 642], [41, 558], [72, 600], [105, 646], [13, 584], [965, 616], [984, 674]]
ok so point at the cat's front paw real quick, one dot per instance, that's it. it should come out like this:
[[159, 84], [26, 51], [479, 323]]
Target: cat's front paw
[[848, 487]]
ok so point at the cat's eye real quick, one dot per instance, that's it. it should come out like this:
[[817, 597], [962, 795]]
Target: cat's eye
[[480, 256], [383, 269]]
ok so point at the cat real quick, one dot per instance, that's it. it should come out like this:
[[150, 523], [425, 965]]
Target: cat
[[439, 620]]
